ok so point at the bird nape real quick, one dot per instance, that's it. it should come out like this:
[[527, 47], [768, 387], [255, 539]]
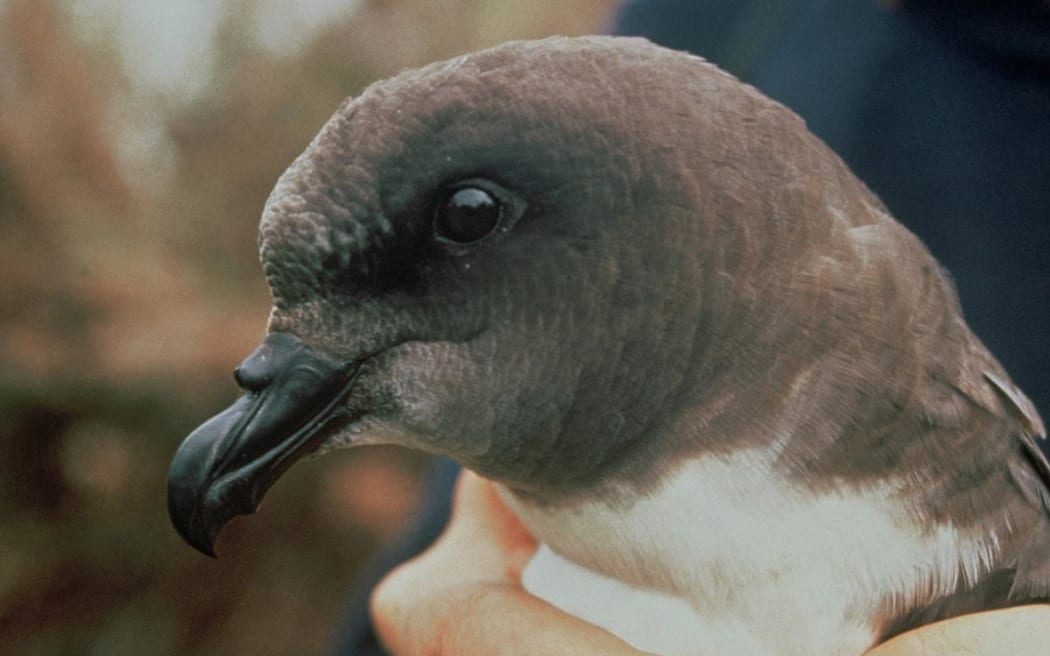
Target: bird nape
[[696, 354]]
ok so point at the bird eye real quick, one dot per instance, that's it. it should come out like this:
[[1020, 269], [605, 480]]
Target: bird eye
[[467, 214]]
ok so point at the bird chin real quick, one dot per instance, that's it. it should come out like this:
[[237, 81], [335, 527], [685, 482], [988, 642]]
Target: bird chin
[[363, 431]]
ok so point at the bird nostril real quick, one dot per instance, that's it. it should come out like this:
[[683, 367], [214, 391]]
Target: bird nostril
[[252, 379]]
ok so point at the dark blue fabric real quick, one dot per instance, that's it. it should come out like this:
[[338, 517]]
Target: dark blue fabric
[[357, 635], [941, 107]]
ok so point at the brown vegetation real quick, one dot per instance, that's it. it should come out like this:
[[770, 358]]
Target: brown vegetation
[[130, 290]]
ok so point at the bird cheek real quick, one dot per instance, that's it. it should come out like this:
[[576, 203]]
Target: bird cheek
[[436, 396]]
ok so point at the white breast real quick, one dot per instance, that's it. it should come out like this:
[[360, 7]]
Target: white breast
[[728, 557]]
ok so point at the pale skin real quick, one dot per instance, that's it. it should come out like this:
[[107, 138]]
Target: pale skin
[[456, 598]]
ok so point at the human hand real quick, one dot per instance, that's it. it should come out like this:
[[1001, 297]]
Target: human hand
[[463, 596], [1019, 630]]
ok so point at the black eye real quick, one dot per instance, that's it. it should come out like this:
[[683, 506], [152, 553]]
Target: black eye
[[467, 214]]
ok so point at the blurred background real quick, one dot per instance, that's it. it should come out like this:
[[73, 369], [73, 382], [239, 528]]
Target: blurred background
[[138, 143]]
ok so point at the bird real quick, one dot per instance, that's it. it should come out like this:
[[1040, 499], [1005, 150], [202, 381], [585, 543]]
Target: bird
[[727, 391]]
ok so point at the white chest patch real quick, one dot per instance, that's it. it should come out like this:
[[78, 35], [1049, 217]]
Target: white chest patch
[[728, 557]]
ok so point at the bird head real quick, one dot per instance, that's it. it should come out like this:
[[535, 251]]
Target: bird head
[[532, 259]]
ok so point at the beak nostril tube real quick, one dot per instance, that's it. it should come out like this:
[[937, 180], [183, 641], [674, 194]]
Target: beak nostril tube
[[256, 372], [250, 380]]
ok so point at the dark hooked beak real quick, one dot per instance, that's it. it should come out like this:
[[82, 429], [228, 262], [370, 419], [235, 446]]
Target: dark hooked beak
[[224, 468]]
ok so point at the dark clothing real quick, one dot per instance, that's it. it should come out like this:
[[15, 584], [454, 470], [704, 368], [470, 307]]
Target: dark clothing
[[941, 107], [358, 637]]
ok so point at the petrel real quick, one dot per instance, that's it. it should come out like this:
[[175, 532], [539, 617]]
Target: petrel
[[736, 401]]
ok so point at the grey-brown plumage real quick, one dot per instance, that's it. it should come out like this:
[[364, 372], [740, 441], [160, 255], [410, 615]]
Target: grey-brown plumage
[[679, 273]]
